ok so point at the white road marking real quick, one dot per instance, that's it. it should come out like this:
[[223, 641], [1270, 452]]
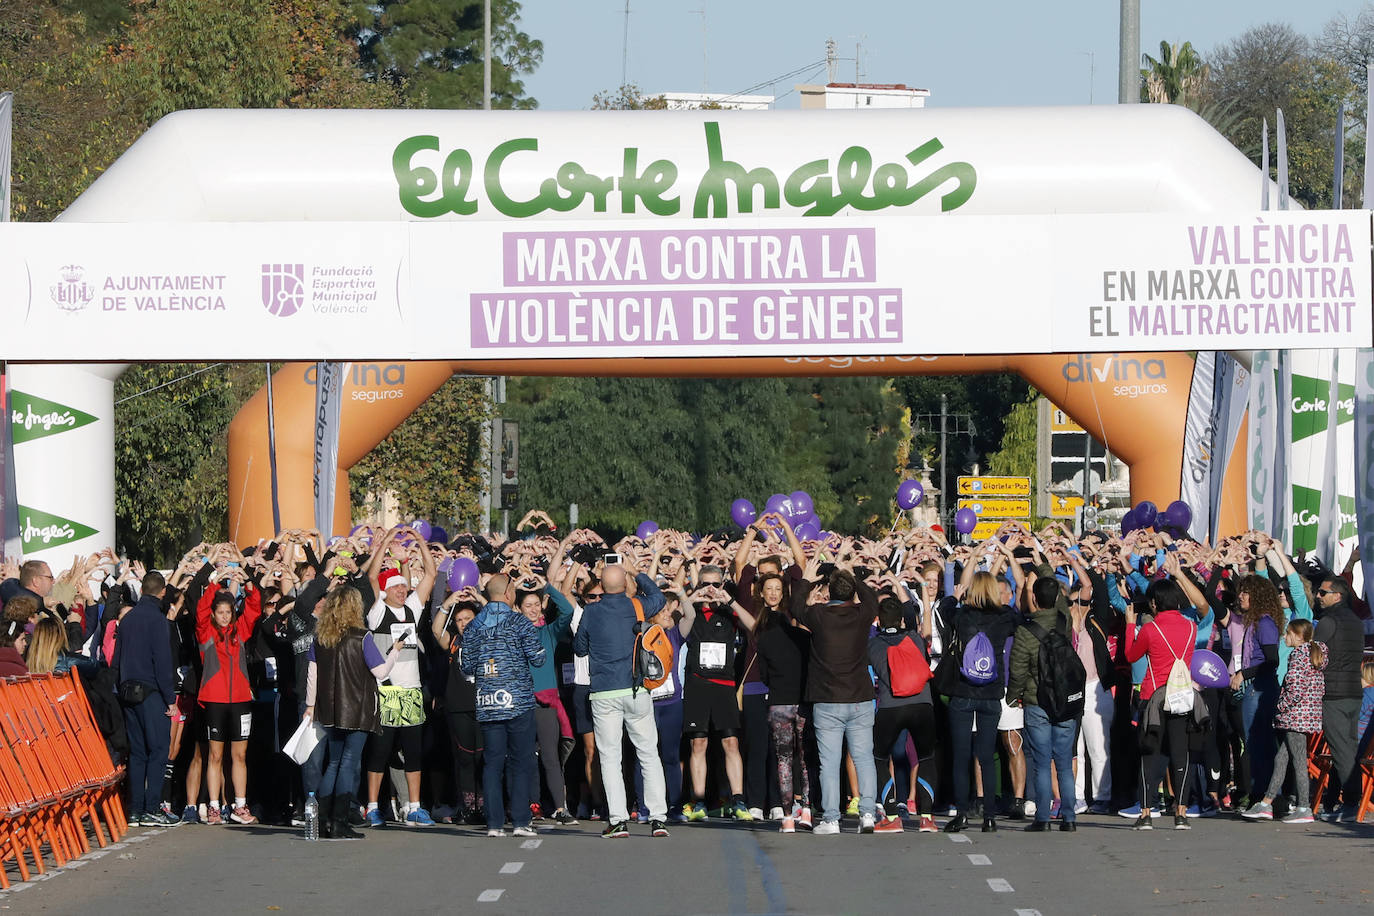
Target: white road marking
[[531, 844], [137, 839], [974, 859], [490, 895], [512, 868], [959, 838], [1025, 912], [1000, 885]]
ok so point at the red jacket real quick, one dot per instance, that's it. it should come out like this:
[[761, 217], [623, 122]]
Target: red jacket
[[225, 675], [1179, 636]]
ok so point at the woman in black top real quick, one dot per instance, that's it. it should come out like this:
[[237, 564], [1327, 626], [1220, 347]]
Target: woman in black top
[[460, 704], [782, 649], [974, 702]]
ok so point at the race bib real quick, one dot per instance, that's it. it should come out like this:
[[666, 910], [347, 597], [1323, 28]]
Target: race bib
[[245, 725], [270, 665], [665, 689], [712, 655], [569, 673], [401, 629]]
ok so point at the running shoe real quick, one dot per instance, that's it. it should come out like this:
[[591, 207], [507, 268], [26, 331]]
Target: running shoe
[[756, 813], [1348, 815], [789, 825], [563, 818], [927, 824], [803, 817], [853, 809], [527, 830], [658, 829], [1144, 822], [243, 816], [694, 812], [827, 828], [1181, 822], [1193, 811], [776, 813], [1054, 809], [1028, 809], [536, 812], [213, 817], [1080, 807], [444, 814], [189, 815], [474, 818], [866, 824], [597, 815], [1132, 811], [419, 818], [741, 813], [888, 825], [616, 831], [676, 817], [161, 819], [374, 818], [1259, 811], [1299, 815], [496, 832], [1207, 810], [1097, 808]]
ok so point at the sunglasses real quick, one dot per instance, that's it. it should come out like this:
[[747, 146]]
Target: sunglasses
[[1325, 591]]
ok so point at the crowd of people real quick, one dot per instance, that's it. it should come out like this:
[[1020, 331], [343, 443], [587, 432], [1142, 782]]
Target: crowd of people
[[1034, 677]]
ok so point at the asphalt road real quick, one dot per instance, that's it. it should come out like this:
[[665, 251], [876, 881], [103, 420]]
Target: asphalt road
[[1221, 866]]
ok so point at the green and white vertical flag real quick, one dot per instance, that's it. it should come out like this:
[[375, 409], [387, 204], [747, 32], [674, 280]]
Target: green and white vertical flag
[[1364, 459], [1322, 456], [6, 135], [1329, 520]]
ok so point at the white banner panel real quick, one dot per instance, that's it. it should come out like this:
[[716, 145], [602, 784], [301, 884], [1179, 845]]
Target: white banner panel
[[883, 284]]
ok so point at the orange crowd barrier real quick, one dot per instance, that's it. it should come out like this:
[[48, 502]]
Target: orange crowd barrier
[[56, 775]]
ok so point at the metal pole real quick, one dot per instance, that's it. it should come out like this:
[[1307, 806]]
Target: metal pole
[[1338, 184], [486, 55], [1087, 466], [1128, 82], [484, 501], [625, 48], [272, 451], [944, 429]]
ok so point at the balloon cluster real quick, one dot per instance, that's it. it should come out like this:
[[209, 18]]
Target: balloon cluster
[[1176, 518], [797, 508]]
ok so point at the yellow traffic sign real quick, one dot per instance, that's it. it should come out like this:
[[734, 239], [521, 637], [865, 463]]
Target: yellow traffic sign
[[984, 530], [994, 486], [1060, 422], [1064, 506], [998, 508]]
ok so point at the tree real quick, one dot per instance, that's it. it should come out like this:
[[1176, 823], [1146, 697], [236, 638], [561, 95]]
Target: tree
[[433, 462], [628, 97], [1018, 455], [432, 51], [983, 398], [1176, 77]]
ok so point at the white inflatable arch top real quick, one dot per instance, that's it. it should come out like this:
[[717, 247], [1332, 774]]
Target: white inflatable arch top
[[423, 166]]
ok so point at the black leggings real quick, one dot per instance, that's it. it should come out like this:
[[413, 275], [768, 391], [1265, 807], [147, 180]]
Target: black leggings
[[966, 744], [1234, 724], [918, 719], [1173, 739], [380, 745], [546, 734], [466, 738]]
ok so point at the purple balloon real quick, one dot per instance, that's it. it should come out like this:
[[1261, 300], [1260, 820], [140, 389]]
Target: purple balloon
[[780, 504], [1209, 670], [437, 535], [445, 565], [1129, 523], [1145, 513], [743, 513], [645, 529], [462, 574], [809, 530], [1179, 515], [909, 494], [802, 505], [422, 528], [965, 520]]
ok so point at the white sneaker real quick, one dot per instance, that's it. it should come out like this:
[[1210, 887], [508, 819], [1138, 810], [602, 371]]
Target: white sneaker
[[1080, 807], [496, 833], [865, 823], [524, 831], [826, 828], [1030, 808], [776, 814], [756, 813]]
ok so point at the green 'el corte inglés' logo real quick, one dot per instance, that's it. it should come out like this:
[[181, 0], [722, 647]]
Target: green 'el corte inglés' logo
[[43, 530], [818, 188], [34, 417]]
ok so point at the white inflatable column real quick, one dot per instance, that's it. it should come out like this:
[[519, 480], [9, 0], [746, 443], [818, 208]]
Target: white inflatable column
[[62, 418]]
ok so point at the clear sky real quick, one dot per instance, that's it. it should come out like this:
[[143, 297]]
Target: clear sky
[[966, 52]]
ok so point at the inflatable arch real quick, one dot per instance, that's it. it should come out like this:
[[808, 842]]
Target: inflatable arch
[[389, 166], [1133, 402]]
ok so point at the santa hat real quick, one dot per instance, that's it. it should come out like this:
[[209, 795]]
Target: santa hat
[[390, 577]]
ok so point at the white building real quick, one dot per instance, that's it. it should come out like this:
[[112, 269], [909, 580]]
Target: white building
[[862, 95], [680, 101]]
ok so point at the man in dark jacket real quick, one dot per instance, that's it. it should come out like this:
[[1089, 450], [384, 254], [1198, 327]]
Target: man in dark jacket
[[606, 636], [1339, 627], [143, 658], [839, 687]]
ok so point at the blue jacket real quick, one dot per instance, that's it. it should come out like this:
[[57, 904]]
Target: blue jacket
[[499, 648], [143, 648], [606, 635], [545, 673]]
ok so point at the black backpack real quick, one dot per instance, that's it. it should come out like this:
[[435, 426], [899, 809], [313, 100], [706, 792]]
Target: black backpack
[[1062, 682]]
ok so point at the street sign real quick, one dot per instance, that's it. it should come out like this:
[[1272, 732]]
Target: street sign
[[998, 508], [994, 486], [1064, 505], [984, 530]]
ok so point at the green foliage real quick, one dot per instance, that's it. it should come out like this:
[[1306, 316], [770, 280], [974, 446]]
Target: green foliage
[[1017, 456], [627, 98], [983, 398], [432, 50], [1176, 77], [171, 462], [433, 461]]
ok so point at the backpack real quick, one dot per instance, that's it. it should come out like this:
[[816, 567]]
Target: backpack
[[1178, 689], [652, 658], [978, 661], [1061, 683], [907, 668]]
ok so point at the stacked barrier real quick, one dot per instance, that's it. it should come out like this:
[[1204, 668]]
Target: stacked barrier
[[55, 775]]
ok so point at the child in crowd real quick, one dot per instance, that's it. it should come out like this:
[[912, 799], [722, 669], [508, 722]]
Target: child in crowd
[[1299, 715]]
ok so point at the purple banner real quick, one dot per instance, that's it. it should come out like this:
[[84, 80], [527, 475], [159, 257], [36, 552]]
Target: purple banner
[[677, 318], [689, 257]]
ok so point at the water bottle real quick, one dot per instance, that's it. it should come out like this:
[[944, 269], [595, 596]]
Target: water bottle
[[312, 818]]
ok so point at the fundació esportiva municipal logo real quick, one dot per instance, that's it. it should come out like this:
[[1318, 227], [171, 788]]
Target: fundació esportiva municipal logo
[[72, 293], [283, 288]]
